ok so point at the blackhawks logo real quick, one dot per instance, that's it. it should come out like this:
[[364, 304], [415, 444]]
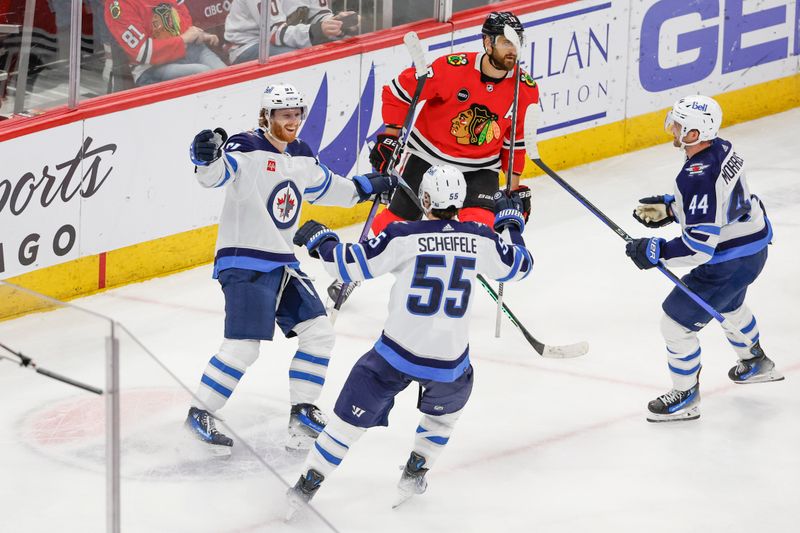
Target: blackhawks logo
[[526, 79], [476, 125], [457, 60], [166, 21]]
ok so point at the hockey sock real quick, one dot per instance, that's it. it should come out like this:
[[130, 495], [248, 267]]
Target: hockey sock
[[332, 445], [310, 363], [433, 433], [224, 371], [743, 319], [383, 219], [683, 351], [476, 214]]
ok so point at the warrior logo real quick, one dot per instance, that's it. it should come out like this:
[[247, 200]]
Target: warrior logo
[[476, 125], [283, 204], [457, 60], [166, 21]]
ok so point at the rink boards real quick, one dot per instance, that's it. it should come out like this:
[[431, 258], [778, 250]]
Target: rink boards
[[105, 195]]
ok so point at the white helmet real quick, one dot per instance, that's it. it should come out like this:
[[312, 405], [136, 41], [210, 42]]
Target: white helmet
[[282, 96], [696, 112], [442, 186]]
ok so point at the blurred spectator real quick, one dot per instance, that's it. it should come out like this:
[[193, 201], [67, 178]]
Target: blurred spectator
[[159, 39], [293, 24]]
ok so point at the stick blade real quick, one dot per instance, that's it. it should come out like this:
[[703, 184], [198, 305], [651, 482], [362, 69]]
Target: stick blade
[[414, 46], [513, 37], [531, 127], [568, 351]]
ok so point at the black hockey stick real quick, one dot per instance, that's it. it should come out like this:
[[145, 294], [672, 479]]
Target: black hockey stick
[[555, 352], [531, 147], [27, 362], [513, 38], [414, 47]]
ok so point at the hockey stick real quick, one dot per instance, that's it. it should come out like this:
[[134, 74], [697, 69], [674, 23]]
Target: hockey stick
[[414, 48], [555, 352], [531, 124], [513, 38], [27, 362]]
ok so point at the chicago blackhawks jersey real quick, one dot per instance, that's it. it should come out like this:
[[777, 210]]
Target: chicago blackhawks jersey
[[265, 189], [435, 263], [290, 21], [149, 31], [466, 119], [720, 220]]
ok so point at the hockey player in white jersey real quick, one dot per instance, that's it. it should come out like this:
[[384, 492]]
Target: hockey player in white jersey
[[267, 173], [426, 336], [724, 236], [293, 24]]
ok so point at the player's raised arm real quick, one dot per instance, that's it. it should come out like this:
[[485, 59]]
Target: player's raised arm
[[213, 166], [509, 260]]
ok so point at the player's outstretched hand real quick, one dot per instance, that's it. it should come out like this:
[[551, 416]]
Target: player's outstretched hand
[[374, 183], [381, 153], [654, 211], [644, 252], [207, 146], [311, 235], [507, 212], [523, 192]]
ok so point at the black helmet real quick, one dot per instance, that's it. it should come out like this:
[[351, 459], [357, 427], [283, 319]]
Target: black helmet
[[493, 25]]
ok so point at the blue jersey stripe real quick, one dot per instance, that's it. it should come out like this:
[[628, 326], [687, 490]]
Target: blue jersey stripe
[[323, 361], [515, 268], [358, 252], [689, 357], [332, 459], [749, 326], [305, 376], [441, 441], [685, 372], [343, 274], [421, 371]]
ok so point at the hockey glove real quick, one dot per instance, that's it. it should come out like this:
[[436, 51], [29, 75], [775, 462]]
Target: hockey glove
[[524, 193], [312, 235], [508, 212], [207, 146], [644, 252], [382, 152], [374, 183], [654, 211]]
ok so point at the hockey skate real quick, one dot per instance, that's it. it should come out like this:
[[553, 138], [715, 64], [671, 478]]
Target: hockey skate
[[759, 369], [201, 424], [412, 480], [303, 491], [335, 287], [306, 422], [676, 405]]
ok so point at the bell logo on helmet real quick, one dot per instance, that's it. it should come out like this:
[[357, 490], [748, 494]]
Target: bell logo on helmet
[[700, 107]]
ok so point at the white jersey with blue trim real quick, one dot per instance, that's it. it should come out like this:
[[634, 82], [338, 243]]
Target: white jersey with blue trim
[[264, 191], [720, 220], [435, 263]]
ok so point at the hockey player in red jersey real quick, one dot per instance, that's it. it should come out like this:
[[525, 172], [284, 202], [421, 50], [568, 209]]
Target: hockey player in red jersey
[[160, 40], [465, 122]]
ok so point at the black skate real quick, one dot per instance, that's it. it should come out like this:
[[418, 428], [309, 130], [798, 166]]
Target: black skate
[[302, 492], [336, 287], [306, 422], [759, 369], [675, 405], [412, 480], [201, 424]]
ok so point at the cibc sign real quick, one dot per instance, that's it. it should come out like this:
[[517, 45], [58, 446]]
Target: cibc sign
[[682, 42]]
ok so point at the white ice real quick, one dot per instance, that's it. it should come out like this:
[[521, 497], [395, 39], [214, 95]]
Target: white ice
[[544, 445]]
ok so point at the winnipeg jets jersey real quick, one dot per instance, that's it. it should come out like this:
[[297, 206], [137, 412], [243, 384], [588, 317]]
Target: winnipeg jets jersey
[[435, 263], [720, 220], [241, 25], [264, 192], [466, 119]]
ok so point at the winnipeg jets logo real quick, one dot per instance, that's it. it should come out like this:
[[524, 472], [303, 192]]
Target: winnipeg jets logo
[[696, 168], [283, 204], [357, 411]]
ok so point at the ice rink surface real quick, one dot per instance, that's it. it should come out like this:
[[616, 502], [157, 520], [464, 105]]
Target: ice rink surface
[[543, 445]]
